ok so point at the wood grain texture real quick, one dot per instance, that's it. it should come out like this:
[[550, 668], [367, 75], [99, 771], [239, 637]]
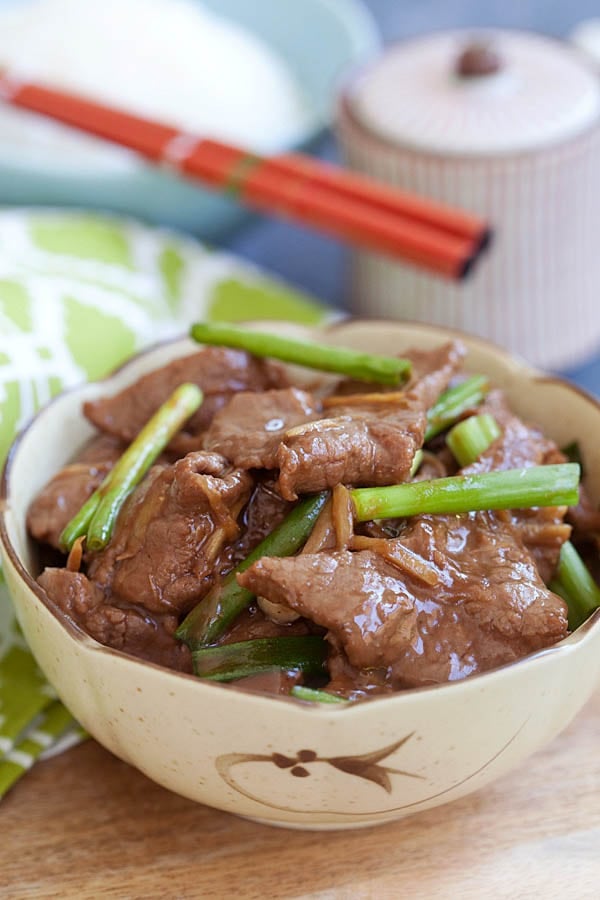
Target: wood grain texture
[[86, 825]]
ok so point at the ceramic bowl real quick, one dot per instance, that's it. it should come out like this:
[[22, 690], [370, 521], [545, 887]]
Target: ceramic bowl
[[339, 35], [277, 760]]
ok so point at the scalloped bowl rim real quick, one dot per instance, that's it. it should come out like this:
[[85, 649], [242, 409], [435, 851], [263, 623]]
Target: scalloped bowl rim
[[567, 645]]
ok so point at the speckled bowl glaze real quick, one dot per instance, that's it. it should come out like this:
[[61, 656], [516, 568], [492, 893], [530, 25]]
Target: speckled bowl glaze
[[281, 761]]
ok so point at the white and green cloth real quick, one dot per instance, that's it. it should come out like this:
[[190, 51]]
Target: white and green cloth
[[79, 293]]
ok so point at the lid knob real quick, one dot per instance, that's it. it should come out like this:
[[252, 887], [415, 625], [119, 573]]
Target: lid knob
[[478, 58]]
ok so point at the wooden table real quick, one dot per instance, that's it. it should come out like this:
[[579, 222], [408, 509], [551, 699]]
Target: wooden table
[[86, 825]]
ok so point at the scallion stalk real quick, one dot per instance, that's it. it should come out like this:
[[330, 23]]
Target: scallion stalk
[[555, 485], [574, 583], [416, 463], [227, 662], [454, 403], [312, 695], [470, 438], [97, 516], [343, 360]]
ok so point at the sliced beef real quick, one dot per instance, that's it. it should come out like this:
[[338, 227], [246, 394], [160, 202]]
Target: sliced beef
[[101, 448], [369, 442], [467, 598], [61, 498], [352, 683], [424, 363], [129, 629], [164, 553], [432, 371], [519, 446], [249, 429], [265, 510], [219, 372], [542, 529], [370, 438], [65, 494], [348, 450]]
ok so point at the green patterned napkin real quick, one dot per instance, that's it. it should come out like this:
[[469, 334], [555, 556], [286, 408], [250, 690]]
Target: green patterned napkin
[[79, 293]]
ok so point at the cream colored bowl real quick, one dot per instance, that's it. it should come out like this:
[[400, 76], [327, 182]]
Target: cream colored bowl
[[282, 761]]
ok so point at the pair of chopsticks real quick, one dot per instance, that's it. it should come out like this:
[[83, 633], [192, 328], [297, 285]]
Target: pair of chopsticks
[[355, 208]]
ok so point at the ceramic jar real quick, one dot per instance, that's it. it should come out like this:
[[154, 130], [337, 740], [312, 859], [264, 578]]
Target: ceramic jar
[[506, 125]]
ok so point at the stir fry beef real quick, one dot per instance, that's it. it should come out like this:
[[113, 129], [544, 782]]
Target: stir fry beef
[[425, 369], [101, 448], [219, 372], [402, 602], [487, 604], [168, 537], [450, 596], [432, 371], [365, 439], [173, 538], [366, 442], [520, 445], [132, 630], [66, 493], [249, 430], [542, 529]]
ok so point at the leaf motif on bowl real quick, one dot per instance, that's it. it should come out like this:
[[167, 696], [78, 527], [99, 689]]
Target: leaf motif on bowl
[[366, 766]]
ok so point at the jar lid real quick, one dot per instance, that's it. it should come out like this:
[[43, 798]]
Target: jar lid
[[486, 93]]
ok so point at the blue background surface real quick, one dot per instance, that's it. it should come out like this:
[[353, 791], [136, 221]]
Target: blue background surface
[[318, 264]]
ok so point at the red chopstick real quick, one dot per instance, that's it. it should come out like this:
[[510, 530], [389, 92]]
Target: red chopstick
[[434, 237], [359, 187]]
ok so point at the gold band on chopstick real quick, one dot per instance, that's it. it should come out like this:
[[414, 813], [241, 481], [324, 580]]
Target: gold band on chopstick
[[237, 175]]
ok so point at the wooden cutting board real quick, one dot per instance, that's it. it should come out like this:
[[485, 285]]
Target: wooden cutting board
[[85, 825]]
